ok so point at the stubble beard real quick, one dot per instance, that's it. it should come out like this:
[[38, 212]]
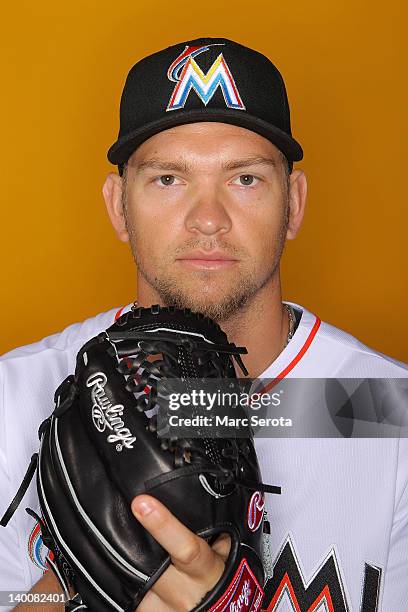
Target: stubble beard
[[227, 304]]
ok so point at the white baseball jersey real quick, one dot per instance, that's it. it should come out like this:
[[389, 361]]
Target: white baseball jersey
[[339, 531]]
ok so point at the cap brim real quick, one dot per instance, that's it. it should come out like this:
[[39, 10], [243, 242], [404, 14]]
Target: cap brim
[[123, 148]]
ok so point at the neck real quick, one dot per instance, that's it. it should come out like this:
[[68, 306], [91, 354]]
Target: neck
[[262, 327]]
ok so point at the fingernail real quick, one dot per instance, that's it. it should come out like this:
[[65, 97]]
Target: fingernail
[[142, 508]]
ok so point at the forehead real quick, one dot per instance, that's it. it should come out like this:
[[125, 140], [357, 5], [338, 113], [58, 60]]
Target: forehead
[[206, 140]]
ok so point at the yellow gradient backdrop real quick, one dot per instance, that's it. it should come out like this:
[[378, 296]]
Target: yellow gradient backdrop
[[63, 68]]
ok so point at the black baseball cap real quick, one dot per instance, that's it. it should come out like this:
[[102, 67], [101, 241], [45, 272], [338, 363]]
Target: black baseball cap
[[206, 79]]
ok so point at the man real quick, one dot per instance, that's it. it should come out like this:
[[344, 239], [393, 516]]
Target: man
[[206, 196]]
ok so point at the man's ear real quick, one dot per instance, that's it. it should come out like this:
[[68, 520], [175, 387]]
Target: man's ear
[[112, 193], [297, 202]]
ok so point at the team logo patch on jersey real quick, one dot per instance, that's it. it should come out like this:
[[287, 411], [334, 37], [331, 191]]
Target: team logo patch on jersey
[[36, 549], [255, 510], [187, 75], [323, 590]]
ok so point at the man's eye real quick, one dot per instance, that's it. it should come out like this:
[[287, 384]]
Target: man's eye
[[166, 179], [247, 179]]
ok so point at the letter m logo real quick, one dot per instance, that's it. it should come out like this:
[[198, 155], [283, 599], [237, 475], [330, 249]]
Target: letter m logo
[[324, 590], [205, 85]]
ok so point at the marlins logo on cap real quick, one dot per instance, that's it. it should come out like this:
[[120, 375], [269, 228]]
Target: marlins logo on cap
[[187, 75]]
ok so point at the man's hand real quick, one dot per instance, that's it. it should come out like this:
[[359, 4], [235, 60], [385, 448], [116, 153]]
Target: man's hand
[[196, 567]]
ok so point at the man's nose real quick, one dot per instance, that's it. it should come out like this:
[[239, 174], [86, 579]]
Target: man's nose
[[208, 214]]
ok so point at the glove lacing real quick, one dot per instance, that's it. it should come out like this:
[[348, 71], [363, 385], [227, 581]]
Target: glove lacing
[[142, 376]]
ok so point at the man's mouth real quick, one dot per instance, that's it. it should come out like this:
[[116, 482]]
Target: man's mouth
[[213, 260]]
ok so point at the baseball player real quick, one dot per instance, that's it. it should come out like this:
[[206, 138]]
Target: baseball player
[[206, 196]]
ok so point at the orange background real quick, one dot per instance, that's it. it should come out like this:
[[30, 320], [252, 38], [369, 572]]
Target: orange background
[[63, 68]]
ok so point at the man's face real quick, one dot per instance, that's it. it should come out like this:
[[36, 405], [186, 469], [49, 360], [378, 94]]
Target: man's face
[[206, 212]]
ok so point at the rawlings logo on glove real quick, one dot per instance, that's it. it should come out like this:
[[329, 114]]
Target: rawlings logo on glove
[[105, 414]]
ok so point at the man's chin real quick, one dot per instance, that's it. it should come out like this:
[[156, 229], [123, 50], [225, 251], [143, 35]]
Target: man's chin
[[217, 305], [216, 296]]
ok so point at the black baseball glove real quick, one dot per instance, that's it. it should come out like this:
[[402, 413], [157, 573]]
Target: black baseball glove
[[101, 447]]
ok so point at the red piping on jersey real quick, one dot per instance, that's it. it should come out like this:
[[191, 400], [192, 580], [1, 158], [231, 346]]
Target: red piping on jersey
[[295, 360], [117, 315]]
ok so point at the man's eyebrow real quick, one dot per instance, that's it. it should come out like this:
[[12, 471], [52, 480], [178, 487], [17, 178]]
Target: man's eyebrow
[[250, 161], [159, 164]]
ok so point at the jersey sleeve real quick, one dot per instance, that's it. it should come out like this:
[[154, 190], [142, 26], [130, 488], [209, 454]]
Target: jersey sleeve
[[395, 595], [29, 376], [13, 572]]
